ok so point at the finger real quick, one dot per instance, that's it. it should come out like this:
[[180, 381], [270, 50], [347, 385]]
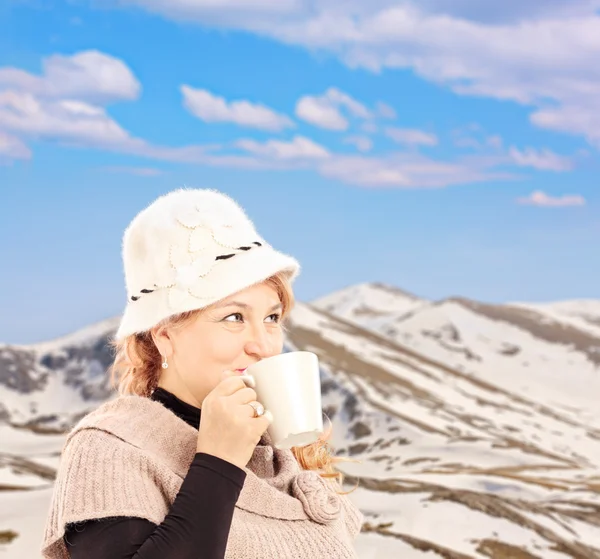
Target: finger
[[266, 417], [249, 409], [244, 396], [247, 378], [263, 422], [230, 385]]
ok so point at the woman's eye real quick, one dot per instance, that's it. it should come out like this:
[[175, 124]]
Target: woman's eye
[[237, 315]]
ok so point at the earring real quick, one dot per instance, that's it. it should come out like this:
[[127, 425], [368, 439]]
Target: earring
[[165, 365]]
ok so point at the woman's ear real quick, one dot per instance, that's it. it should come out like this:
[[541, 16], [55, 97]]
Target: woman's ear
[[161, 336]]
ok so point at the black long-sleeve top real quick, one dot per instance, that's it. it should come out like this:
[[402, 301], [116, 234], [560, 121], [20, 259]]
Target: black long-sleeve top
[[189, 530]]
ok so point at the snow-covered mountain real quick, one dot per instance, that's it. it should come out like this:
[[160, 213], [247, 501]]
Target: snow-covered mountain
[[47, 385], [370, 304], [453, 460], [519, 347], [474, 426], [583, 313]]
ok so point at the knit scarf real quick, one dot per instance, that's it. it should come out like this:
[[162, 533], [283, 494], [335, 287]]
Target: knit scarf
[[130, 456]]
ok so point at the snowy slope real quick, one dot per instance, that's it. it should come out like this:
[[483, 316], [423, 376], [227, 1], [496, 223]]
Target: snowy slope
[[452, 463], [551, 348], [583, 313], [474, 425], [47, 385], [370, 304]]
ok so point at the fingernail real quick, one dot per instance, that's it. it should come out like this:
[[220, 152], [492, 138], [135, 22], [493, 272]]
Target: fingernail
[[269, 416]]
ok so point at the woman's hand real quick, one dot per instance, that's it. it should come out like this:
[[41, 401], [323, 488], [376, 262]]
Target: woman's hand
[[228, 428]]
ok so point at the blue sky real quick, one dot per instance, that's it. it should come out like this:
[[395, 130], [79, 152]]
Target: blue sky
[[444, 151]]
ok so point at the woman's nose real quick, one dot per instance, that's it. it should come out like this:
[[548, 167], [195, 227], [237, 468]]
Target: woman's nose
[[260, 343]]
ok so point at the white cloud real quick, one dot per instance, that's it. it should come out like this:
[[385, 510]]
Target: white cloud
[[324, 110], [138, 171], [494, 141], [542, 54], [88, 75], [79, 124], [411, 136], [583, 120], [408, 171], [211, 108], [539, 198], [32, 108], [543, 160], [475, 137], [223, 13], [65, 102], [365, 171], [12, 147], [299, 148], [386, 111], [323, 115], [510, 10], [362, 143], [63, 120], [369, 127], [85, 122]]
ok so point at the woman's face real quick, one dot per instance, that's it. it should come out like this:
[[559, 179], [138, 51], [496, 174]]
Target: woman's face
[[230, 335]]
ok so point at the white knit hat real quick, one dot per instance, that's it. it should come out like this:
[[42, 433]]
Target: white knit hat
[[187, 250]]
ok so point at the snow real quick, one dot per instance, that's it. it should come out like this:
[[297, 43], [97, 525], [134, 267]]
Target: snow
[[485, 425], [540, 364], [374, 546], [24, 512], [27, 443], [450, 525], [458, 412], [581, 313], [369, 302]]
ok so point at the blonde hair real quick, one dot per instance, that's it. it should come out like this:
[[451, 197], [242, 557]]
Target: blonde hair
[[136, 370]]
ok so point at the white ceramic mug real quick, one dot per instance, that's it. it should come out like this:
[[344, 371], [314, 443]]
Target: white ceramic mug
[[289, 386]]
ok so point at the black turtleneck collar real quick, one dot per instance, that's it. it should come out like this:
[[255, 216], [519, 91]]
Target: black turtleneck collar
[[190, 414]]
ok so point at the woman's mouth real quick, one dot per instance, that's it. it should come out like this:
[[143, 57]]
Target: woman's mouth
[[241, 371]]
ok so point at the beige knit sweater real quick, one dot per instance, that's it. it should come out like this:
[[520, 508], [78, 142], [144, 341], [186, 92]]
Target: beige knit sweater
[[129, 458]]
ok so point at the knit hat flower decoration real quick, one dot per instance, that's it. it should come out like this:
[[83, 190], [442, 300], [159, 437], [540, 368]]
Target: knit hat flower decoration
[[191, 265], [187, 250]]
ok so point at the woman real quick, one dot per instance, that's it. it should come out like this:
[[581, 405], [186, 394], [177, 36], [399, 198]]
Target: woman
[[180, 465]]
